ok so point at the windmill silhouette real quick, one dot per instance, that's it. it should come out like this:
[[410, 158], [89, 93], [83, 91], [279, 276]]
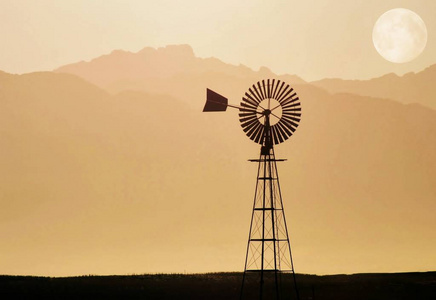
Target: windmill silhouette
[[269, 114]]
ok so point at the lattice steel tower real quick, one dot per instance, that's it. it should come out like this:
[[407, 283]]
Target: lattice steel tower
[[269, 114]]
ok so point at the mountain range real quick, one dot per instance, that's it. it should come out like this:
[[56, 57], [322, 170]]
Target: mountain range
[[110, 166], [170, 69], [409, 88]]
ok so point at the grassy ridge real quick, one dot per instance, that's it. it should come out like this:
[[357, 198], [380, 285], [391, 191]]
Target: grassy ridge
[[415, 286]]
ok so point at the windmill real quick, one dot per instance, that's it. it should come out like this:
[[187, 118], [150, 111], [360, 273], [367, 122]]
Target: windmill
[[269, 114]]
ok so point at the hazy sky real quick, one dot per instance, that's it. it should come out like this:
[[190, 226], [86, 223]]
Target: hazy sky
[[313, 38]]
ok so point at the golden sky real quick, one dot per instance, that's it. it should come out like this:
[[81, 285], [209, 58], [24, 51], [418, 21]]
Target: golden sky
[[314, 39]]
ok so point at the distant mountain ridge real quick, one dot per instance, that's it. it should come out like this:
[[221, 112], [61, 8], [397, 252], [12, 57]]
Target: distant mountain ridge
[[170, 69], [163, 62], [409, 88], [165, 70]]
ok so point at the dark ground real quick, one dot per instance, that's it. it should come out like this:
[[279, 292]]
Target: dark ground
[[226, 286]]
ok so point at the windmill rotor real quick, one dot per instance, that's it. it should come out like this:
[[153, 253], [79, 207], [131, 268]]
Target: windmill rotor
[[270, 104], [269, 112]]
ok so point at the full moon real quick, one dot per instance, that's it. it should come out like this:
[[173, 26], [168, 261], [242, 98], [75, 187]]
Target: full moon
[[399, 35]]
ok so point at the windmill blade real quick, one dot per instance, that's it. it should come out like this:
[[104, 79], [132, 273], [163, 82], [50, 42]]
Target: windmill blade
[[265, 89], [293, 123], [249, 102], [215, 102], [281, 134], [248, 105], [290, 99], [290, 117], [250, 131], [253, 94], [249, 118], [297, 104], [257, 94], [253, 131], [290, 125], [252, 98], [274, 87], [291, 106], [279, 96], [285, 95], [257, 90], [286, 133], [275, 135], [259, 134], [247, 110], [248, 125], [262, 133], [277, 92], [275, 128], [292, 109], [260, 90], [246, 114], [291, 114]]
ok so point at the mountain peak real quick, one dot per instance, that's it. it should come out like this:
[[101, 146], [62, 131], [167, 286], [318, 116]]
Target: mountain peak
[[264, 71], [389, 75], [184, 50], [431, 69], [177, 50]]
